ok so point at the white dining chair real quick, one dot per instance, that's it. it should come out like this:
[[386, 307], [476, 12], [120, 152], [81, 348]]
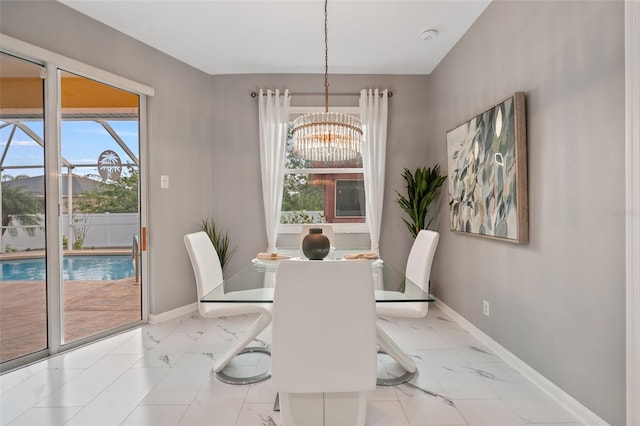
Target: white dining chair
[[327, 230], [418, 271], [324, 341], [208, 273]]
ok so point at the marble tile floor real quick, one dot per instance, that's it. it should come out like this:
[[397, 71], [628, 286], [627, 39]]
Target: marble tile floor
[[161, 375]]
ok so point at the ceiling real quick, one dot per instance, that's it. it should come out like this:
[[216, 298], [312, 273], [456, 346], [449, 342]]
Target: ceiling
[[287, 36]]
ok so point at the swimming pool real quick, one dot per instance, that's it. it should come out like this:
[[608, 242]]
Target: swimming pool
[[93, 267]]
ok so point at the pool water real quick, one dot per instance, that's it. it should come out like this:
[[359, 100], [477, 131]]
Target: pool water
[[107, 267]]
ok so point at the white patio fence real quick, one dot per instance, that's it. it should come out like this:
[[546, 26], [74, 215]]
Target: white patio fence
[[102, 231]]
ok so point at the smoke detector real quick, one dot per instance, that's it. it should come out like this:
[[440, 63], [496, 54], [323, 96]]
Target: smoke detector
[[428, 34]]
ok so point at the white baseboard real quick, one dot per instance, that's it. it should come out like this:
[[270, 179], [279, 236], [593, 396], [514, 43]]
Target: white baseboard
[[174, 313], [564, 399]]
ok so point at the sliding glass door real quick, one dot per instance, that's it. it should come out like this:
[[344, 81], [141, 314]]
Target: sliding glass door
[[23, 291], [70, 247], [100, 204]]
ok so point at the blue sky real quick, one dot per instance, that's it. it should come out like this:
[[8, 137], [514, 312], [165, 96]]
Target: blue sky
[[82, 143]]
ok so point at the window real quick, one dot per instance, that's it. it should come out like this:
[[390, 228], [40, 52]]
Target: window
[[349, 198], [322, 192]]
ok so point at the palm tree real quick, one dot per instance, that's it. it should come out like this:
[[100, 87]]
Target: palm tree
[[20, 206]]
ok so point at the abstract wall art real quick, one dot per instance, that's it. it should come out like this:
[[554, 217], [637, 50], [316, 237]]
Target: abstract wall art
[[487, 158]]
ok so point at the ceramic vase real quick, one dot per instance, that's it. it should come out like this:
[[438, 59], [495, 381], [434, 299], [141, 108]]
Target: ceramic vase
[[315, 245]]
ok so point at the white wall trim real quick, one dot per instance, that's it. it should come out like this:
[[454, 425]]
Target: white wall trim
[[338, 228], [632, 206], [174, 313], [24, 49], [553, 391]]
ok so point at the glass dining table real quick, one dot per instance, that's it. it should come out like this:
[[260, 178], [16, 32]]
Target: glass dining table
[[255, 283]]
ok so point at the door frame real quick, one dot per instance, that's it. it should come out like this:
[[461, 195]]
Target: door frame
[[54, 62], [632, 206]]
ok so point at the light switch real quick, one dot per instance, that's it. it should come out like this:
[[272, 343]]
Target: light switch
[[164, 182]]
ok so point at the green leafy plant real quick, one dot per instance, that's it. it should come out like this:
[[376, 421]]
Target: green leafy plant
[[119, 196], [219, 239], [22, 208], [301, 217], [422, 189], [80, 228]]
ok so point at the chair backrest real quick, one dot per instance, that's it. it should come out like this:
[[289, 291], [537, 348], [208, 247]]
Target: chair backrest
[[324, 327], [421, 257], [205, 262], [327, 230]]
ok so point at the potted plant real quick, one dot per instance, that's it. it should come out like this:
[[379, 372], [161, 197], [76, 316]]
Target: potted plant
[[219, 239], [422, 189]]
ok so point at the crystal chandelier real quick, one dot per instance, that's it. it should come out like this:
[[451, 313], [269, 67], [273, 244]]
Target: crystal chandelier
[[327, 136]]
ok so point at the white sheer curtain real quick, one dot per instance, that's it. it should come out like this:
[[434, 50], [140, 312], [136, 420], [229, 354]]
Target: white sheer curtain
[[273, 117], [373, 113]]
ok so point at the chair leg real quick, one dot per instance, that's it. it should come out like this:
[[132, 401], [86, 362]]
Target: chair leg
[[247, 336], [317, 409], [345, 408], [391, 348], [301, 409], [240, 346], [234, 380]]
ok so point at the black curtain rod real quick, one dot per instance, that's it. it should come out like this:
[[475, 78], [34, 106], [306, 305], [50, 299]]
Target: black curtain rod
[[255, 94]]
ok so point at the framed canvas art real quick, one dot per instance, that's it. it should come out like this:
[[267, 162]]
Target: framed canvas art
[[487, 158]]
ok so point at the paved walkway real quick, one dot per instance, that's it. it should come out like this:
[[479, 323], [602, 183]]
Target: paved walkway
[[89, 307]]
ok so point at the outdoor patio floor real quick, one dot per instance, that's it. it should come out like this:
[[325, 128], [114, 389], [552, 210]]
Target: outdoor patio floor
[[89, 307]]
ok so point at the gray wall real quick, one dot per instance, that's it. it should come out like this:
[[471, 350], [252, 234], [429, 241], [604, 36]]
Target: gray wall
[[203, 134], [179, 130], [236, 158], [558, 302]]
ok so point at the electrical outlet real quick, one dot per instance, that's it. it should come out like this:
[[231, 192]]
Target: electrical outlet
[[485, 308]]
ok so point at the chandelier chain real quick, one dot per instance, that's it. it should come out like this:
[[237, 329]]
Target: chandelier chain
[[327, 136], [326, 58]]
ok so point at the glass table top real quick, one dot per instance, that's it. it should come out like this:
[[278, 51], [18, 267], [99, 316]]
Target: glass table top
[[254, 283]]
